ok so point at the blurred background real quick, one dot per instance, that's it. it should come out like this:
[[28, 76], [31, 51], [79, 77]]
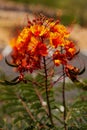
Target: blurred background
[[72, 13]]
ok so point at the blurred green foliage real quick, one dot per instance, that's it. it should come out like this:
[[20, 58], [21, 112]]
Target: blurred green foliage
[[52, 3], [76, 9], [17, 100]]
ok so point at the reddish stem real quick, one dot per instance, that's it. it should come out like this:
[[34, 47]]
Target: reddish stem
[[47, 96]]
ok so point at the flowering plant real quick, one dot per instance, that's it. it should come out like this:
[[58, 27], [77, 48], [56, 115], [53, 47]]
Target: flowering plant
[[44, 47], [42, 38]]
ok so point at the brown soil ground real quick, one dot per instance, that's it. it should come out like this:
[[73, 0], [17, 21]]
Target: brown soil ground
[[80, 35]]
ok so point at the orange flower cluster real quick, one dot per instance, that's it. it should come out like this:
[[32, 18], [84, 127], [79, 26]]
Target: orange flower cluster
[[33, 41]]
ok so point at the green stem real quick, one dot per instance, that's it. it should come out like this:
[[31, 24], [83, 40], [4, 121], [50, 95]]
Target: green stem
[[26, 108], [47, 96]]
